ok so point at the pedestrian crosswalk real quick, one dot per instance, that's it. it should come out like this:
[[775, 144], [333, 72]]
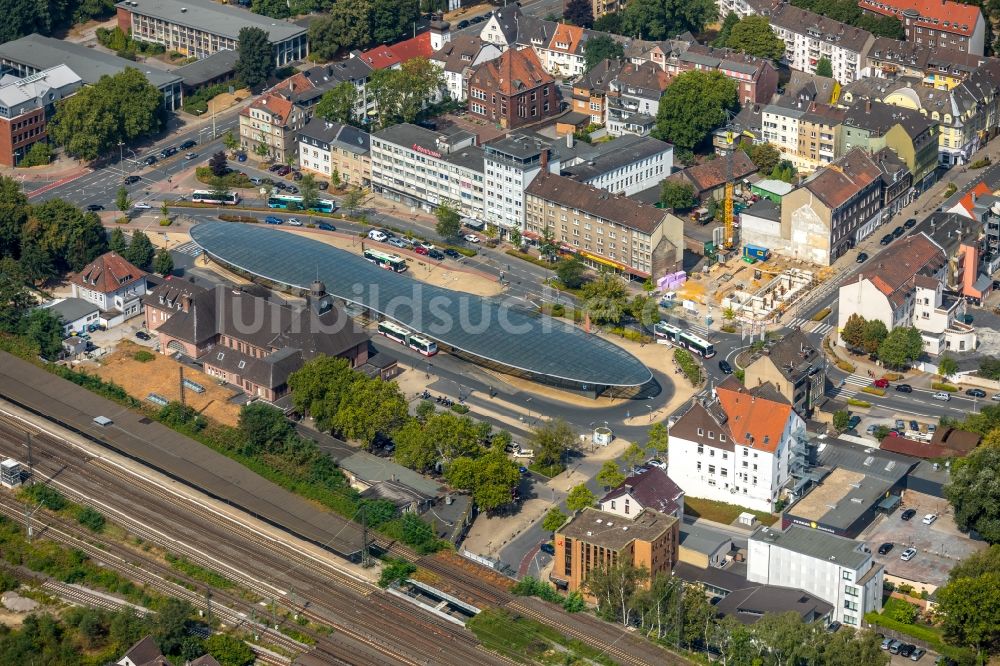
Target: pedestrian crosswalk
[[848, 390], [699, 329], [190, 248], [822, 329], [798, 322], [810, 326]]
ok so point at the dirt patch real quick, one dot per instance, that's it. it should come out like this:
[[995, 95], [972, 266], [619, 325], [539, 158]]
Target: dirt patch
[[160, 376]]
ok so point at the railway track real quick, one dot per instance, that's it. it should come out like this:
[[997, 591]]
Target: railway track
[[478, 589]]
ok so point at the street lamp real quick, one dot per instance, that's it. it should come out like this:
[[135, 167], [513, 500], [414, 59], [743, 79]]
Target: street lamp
[[121, 157], [527, 404]]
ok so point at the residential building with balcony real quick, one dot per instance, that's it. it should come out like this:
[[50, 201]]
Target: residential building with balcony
[[26, 104], [513, 90], [819, 131], [873, 125], [272, 121], [838, 570], [969, 244], [562, 55], [200, 28], [809, 37], [779, 126], [937, 67], [736, 446], [416, 166], [897, 182], [796, 370], [603, 229], [929, 24], [634, 94], [457, 60], [325, 148], [756, 78], [590, 91]]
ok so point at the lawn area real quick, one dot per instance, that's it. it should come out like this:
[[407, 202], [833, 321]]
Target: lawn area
[[721, 512], [527, 641]]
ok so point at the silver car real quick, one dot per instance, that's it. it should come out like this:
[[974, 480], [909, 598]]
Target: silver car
[[908, 554]]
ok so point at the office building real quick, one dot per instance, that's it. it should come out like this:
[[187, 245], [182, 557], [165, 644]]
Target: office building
[[26, 104]]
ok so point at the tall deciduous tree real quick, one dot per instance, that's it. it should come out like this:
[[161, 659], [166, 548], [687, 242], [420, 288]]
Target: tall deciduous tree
[[663, 19], [971, 610], [218, 164], [554, 519], [765, 156], [580, 497], [753, 35], [449, 222], [677, 195], [118, 242], [947, 366], [163, 263], [605, 298], [602, 47], [901, 347], [615, 588], [874, 333], [579, 12], [610, 475], [393, 19], [571, 273], [853, 333], [732, 18], [309, 191], [551, 440], [256, 57], [140, 251], [633, 456], [694, 104], [337, 104], [824, 67], [974, 492], [657, 440]]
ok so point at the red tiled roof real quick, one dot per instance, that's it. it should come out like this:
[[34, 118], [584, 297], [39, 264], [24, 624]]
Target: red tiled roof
[[383, 57], [274, 103], [966, 202], [942, 15], [712, 174], [511, 73], [762, 419], [108, 273], [567, 34], [893, 271], [837, 183]]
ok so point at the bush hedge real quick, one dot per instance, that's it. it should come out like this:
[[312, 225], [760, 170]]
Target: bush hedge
[[854, 402], [822, 314], [874, 390], [535, 260], [688, 365], [845, 366], [941, 386], [232, 179]]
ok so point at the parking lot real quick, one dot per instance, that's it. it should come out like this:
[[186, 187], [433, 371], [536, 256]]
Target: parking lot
[[940, 546]]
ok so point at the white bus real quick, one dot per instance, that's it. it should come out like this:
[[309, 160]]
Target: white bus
[[394, 332], [390, 262], [421, 344], [681, 338]]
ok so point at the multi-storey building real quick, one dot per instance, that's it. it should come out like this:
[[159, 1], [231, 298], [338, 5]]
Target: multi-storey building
[[324, 78], [911, 135], [938, 67], [756, 78], [736, 448], [947, 24], [809, 37], [833, 210], [272, 121], [511, 163], [458, 58], [819, 128], [595, 540], [897, 182], [626, 165], [326, 148], [780, 126], [605, 230], [838, 570], [114, 285], [795, 368], [590, 91], [26, 105], [392, 56], [634, 93], [200, 28], [652, 489], [417, 166], [563, 55], [513, 90]]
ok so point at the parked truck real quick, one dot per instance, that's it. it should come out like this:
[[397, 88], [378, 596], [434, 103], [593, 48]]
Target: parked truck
[[752, 253]]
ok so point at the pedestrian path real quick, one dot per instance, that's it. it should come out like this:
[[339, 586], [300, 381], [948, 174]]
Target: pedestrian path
[[848, 390], [190, 248]]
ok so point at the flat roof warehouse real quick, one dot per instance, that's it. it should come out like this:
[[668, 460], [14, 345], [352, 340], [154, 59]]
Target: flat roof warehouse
[[486, 331]]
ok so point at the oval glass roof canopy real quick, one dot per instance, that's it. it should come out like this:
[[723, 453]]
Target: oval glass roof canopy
[[484, 330]]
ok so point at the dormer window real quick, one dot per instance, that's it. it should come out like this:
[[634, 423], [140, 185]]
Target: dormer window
[[722, 437], [711, 435], [701, 432]]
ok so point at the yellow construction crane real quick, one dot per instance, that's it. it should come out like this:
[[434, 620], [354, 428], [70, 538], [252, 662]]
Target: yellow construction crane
[[728, 236]]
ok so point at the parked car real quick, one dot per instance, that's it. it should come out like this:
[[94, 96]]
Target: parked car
[[888, 238], [547, 548], [853, 422], [274, 168], [241, 157], [271, 219], [254, 180], [191, 156], [886, 642], [942, 396], [436, 255], [93, 208], [471, 238], [898, 231], [292, 189], [908, 514], [142, 335], [656, 462], [881, 383], [395, 242], [929, 518], [296, 175], [377, 235], [918, 652], [284, 170], [834, 627], [895, 645], [870, 430], [420, 249], [463, 24], [454, 254], [907, 650], [910, 223], [725, 367], [323, 226], [281, 185], [900, 425], [904, 388], [323, 185], [884, 548], [975, 393], [190, 143], [141, 205], [908, 554], [862, 257], [995, 396], [294, 222], [128, 180], [914, 425]]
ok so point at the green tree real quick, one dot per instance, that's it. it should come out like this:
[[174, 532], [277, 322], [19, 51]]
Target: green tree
[[554, 519], [947, 366], [853, 334], [165, 210], [419, 81], [219, 187], [579, 12], [35, 265], [396, 570], [123, 202], [610, 476], [353, 199], [515, 237], [261, 149], [274, 8], [602, 47], [335, 178], [765, 156], [44, 328], [824, 67], [326, 33], [616, 589], [69, 237], [491, 478], [140, 251], [873, 336], [91, 519], [901, 347], [547, 247], [218, 164], [571, 273], [974, 492], [15, 301], [677, 195], [663, 19], [171, 624], [732, 18], [693, 105], [229, 650], [256, 56], [392, 19], [841, 419], [230, 141], [657, 440], [337, 104], [550, 441], [123, 107], [579, 498], [163, 263], [118, 243], [971, 611], [981, 562], [605, 298], [309, 191], [990, 368], [753, 35], [39, 154], [13, 216], [449, 221], [633, 456]]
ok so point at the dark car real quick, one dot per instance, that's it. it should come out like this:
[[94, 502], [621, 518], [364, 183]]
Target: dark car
[[323, 226], [190, 143], [131, 179], [93, 208], [281, 185], [975, 393], [463, 24], [270, 219], [904, 388], [296, 175], [275, 167], [907, 650], [150, 161], [284, 170], [908, 514], [888, 238], [853, 423], [547, 548], [241, 157], [898, 231], [452, 253], [834, 627], [862, 257], [323, 185], [142, 335], [725, 367], [910, 223], [167, 152], [884, 548], [437, 255], [292, 189]]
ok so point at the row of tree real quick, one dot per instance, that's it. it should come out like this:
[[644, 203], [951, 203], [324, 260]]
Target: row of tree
[[23, 17], [752, 35], [351, 24], [647, 19], [897, 349], [848, 11]]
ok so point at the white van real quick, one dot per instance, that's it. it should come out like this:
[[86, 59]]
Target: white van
[[377, 235]]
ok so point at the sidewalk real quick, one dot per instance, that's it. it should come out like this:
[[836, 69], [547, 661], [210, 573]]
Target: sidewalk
[[862, 366]]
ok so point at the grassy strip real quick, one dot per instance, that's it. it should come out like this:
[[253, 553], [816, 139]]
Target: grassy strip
[[207, 576], [873, 390], [930, 635], [630, 334], [689, 366], [822, 314], [534, 260], [721, 512], [941, 386], [845, 366], [528, 641], [854, 402]]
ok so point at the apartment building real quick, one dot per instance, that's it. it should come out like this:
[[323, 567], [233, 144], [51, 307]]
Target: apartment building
[[114, 285], [947, 24], [392, 56], [633, 94], [809, 37], [513, 90], [780, 126], [937, 67], [604, 230], [563, 55], [510, 164], [897, 182], [838, 570], [457, 60], [795, 368], [26, 104], [272, 121], [756, 78], [737, 446], [596, 539], [833, 210], [626, 165], [200, 28], [416, 166], [326, 148], [324, 78], [590, 91], [873, 125], [819, 130]]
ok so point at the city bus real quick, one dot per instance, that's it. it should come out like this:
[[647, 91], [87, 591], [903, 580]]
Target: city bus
[[421, 344], [284, 201], [681, 338], [404, 336], [207, 196], [390, 262], [394, 332]]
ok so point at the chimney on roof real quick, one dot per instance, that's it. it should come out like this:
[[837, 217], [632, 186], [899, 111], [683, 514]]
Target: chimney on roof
[[545, 159], [569, 139], [868, 106], [186, 303]]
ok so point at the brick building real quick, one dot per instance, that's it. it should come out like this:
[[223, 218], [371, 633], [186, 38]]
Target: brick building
[[513, 90], [25, 106], [932, 23]]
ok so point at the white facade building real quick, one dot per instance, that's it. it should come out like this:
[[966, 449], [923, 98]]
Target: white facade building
[[112, 284], [838, 570], [458, 57], [737, 448], [626, 165], [810, 37], [416, 166], [511, 164], [780, 126]]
